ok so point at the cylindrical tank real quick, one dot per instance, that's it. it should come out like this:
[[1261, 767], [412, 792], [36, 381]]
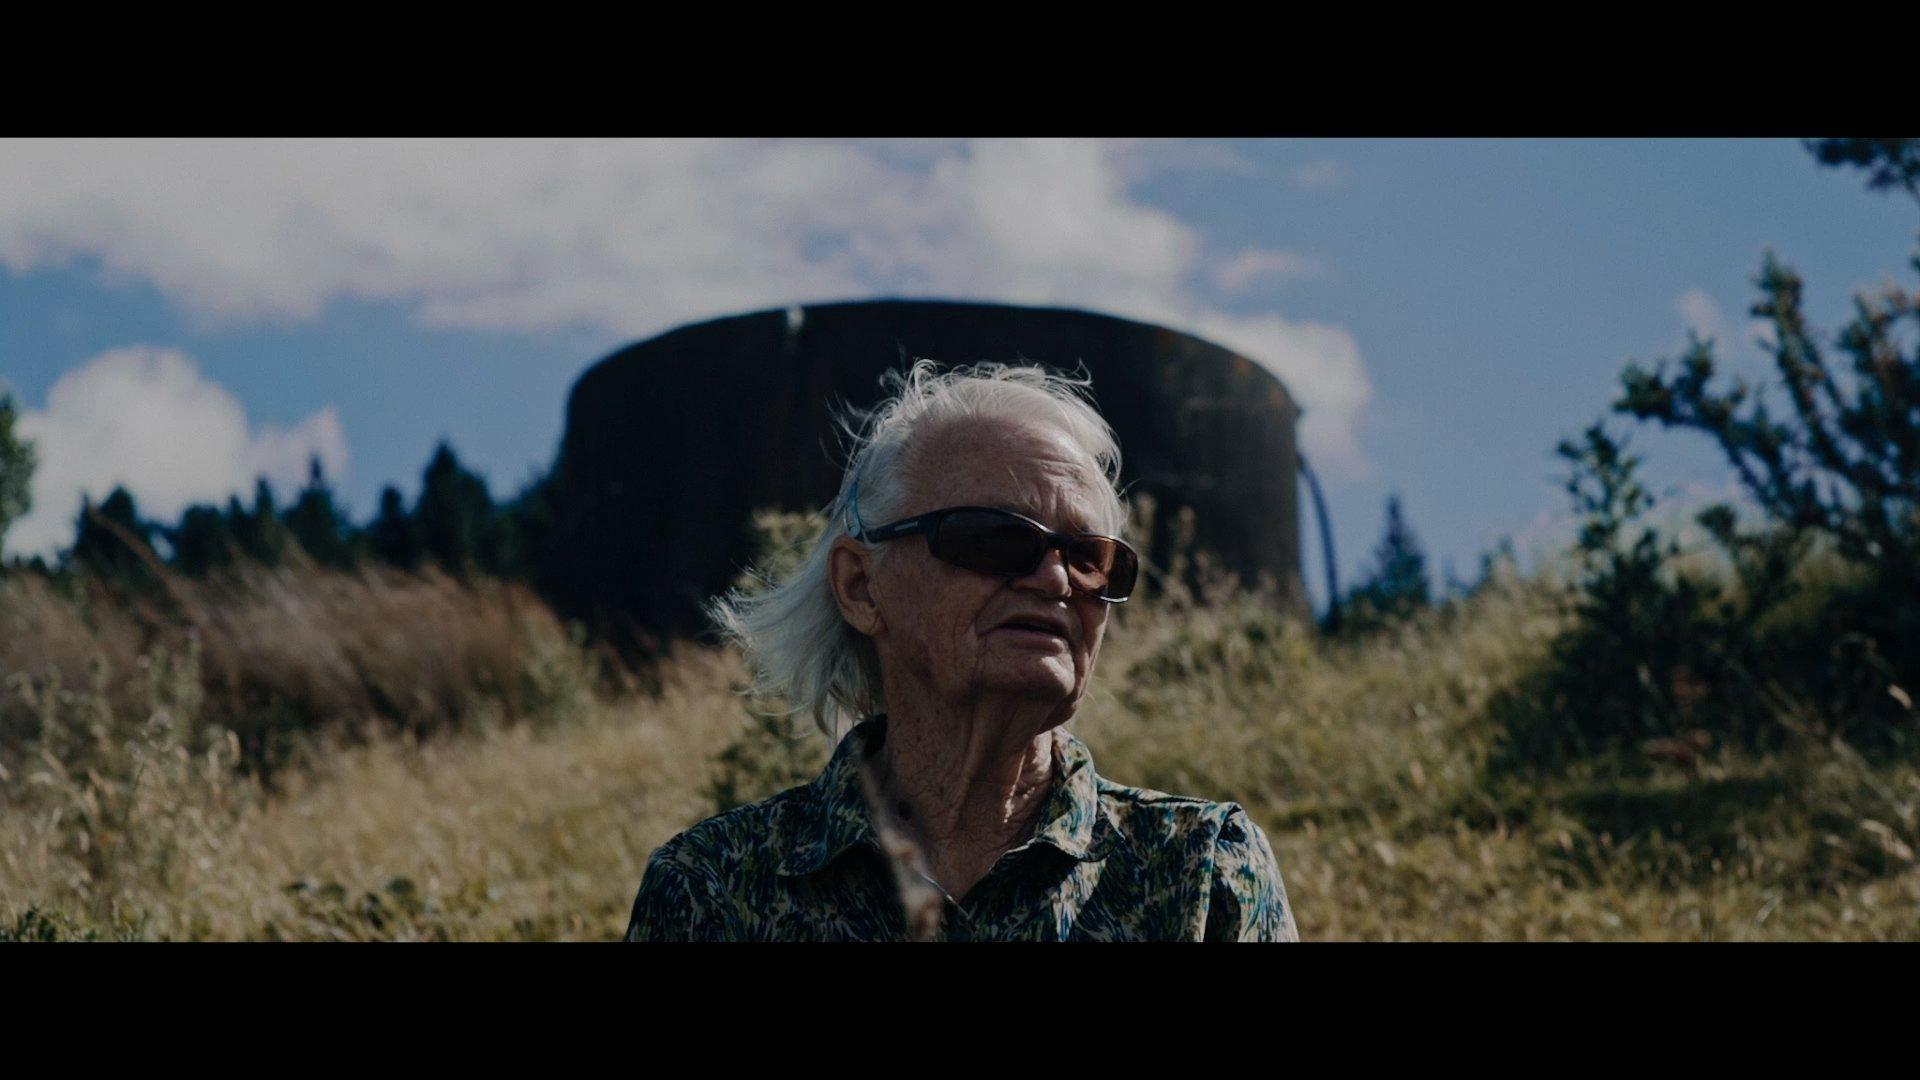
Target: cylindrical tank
[[671, 444]]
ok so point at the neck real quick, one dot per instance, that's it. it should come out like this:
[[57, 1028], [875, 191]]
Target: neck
[[968, 782]]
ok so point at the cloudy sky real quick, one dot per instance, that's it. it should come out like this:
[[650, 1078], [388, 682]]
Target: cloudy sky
[[183, 317]]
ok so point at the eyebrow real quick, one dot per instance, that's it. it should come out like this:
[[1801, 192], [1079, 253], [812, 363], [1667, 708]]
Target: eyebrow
[[1073, 525]]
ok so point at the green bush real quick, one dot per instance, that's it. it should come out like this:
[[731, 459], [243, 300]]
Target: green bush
[[1652, 650], [1812, 624]]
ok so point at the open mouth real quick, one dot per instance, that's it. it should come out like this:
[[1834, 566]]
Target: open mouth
[[1036, 624]]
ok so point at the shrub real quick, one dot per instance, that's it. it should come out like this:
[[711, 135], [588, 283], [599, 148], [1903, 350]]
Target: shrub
[[1818, 601], [1651, 650]]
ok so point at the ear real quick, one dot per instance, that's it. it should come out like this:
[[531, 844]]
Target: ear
[[849, 574]]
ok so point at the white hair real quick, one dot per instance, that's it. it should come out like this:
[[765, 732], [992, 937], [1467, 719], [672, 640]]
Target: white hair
[[802, 651]]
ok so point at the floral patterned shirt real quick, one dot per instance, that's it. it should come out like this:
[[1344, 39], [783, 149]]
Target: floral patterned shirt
[[1105, 863]]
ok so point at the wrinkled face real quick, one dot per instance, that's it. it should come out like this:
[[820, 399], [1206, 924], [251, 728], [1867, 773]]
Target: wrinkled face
[[967, 634]]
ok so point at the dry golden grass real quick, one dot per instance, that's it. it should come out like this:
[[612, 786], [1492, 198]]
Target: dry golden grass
[[285, 651], [1368, 766], [1366, 763], [505, 830]]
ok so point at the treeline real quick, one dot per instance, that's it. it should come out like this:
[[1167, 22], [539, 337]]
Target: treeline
[[455, 524]]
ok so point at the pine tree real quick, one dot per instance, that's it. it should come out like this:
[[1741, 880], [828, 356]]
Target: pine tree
[[1398, 584], [315, 522], [258, 531], [392, 536], [202, 542], [455, 513], [110, 539], [235, 519], [516, 541], [17, 461]]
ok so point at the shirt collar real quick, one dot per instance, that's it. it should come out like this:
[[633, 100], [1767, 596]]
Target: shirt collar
[[1072, 819], [835, 814]]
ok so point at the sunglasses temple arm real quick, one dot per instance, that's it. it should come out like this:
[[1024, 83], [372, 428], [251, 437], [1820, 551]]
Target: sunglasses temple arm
[[854, 528]]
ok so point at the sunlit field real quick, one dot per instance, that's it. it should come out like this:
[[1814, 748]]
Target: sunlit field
[[472, 771], [271, 669]]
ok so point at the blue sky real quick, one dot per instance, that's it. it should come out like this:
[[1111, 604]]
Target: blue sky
[[184, 316]]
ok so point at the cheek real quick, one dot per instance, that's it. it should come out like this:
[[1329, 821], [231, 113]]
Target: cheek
[[1095, 626], [933, 608]]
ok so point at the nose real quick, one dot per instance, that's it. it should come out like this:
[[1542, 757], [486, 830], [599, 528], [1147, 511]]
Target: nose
[[1050, 578]]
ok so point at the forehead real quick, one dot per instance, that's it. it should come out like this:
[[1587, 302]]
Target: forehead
[[1032, 469]]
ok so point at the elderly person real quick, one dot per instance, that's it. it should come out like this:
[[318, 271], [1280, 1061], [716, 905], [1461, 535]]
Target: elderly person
[[954, 608]]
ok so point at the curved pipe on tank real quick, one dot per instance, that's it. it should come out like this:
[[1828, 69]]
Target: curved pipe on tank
[[1326, 544]]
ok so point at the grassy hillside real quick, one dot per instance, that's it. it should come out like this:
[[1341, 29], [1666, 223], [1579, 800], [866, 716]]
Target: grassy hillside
[[521, 792]]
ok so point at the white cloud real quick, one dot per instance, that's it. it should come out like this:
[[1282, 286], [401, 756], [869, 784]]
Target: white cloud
[[282, 455], [1740, 350], [149, 420], [1241, 271], [636, 236], [1702, 314], [1315, 356]]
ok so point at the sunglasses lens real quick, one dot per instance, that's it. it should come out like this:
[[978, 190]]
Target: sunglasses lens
[[991, 542], [1101, 566], [988, 543]]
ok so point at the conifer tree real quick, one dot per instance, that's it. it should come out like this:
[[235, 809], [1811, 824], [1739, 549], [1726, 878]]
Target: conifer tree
[[392, 536], [16, 470], [1398, 585], [110, 539], [516, 541], [202, 542], [455, 513], [315, 522], [259, 531]]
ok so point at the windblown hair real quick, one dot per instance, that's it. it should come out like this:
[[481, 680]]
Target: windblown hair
[[802, 651]]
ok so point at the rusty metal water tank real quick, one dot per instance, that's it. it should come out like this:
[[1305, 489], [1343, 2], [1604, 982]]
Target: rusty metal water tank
[[671, 444]]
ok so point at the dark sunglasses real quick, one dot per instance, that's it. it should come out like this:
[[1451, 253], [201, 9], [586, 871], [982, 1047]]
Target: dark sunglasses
[[1005, 544]]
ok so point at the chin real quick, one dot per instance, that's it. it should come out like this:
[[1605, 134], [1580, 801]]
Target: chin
[[1040, 680]]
